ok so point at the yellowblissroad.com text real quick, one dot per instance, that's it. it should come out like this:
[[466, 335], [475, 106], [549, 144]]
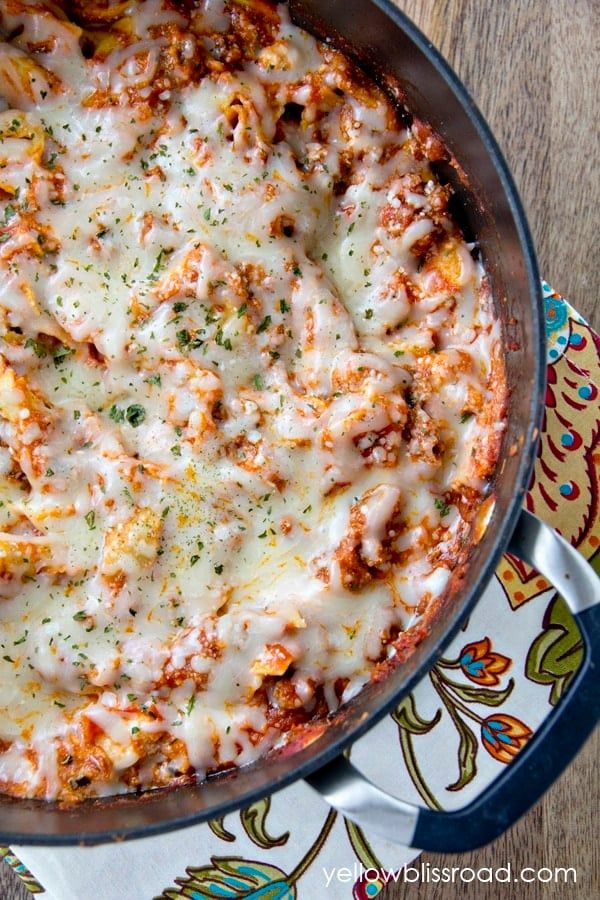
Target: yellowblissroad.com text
[[424, 873]]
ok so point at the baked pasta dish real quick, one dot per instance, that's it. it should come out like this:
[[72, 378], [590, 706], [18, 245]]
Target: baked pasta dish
[[251, 388]]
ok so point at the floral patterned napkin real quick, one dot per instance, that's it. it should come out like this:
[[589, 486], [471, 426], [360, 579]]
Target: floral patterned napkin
[[444, 743]]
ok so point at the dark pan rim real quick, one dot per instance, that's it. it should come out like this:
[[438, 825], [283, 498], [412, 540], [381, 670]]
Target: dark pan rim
[[464, 604]]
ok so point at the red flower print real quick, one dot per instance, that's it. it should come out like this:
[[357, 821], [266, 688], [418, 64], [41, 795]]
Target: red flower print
[[503, 736], [480, 664], [367, 887]]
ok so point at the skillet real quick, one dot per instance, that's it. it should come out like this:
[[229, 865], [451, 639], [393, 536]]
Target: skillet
[[390, 48]]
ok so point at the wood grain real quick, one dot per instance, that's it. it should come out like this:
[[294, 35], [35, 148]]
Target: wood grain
[[531, 67], [11, 887]]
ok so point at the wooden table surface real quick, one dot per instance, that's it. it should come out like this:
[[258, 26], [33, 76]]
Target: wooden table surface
[[531, 66]]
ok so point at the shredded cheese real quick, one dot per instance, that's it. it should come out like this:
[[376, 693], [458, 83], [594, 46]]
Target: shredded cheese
[[251, 388]]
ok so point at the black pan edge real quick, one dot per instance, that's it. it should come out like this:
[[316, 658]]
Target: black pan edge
[[75, 823]]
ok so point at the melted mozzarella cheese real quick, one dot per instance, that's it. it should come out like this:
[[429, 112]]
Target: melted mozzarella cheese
[[250, 392]]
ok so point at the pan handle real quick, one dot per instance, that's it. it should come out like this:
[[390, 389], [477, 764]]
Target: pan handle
[[536, 766]]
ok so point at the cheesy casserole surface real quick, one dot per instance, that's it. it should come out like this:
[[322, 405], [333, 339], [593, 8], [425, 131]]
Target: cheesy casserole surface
[[251, 388]]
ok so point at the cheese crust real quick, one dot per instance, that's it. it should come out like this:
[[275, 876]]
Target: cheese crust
[[252, 389]]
